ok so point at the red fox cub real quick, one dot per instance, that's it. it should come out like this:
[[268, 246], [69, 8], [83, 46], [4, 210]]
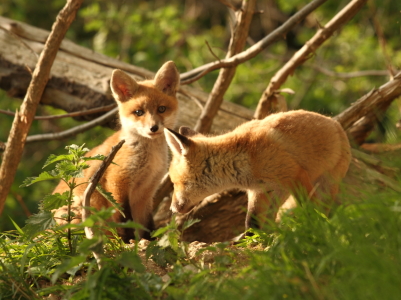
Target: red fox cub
[[270, 159], [145, 109]]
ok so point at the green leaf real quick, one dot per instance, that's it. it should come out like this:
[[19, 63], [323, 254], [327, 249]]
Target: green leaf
[[66, 170], [161, 256], [16, 226], [160, 231], [88, 245], [42, 177], [55, 201], [55, 158], [189, 223], [132, 261], [38, 223], [110, 198], [77, 151], [67, 265]]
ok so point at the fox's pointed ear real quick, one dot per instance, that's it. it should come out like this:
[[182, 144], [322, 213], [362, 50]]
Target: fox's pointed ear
[[122, 85], [167, 79], [178, 143], [188, 132]]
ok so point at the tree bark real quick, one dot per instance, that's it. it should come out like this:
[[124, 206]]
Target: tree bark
[[23, 119]]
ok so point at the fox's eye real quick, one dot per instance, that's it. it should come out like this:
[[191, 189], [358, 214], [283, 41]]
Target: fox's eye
[[161, 109], [139, 112]]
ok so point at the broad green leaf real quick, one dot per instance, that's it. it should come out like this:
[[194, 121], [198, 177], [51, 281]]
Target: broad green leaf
[[38, 223], [95, 244], [67, 265], [160, 231], [110, 198], [55, 158], [42, 177], [54, 201]]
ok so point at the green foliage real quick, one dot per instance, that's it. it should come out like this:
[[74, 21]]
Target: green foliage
[[354, 254]]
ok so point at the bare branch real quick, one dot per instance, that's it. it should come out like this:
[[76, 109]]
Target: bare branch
[[93, 181], [72, 131], [350, 75], [211, 51], [370, 102], [213, 103], [268, 99], [69, 115], [237, 43], [23, 120], [382, 39], [279, 33]]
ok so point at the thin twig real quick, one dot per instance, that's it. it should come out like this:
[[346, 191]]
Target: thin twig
[[196, 100], [312, 281], [229, 4], [268, 100], [325, 71], [350, 75], [72, 131], [382, 39], [226, 75], [279, 33], [211, 51], [369, 102], [69, 115], [23, 205], [93, 181]]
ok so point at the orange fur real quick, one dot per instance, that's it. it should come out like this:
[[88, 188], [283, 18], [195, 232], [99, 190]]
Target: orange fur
[[142, 160], [283, 154]]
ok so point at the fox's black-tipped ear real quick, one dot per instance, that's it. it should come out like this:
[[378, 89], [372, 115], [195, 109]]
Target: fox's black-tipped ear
[[167, 79], [188, 132], [122, 86], [178, 143]]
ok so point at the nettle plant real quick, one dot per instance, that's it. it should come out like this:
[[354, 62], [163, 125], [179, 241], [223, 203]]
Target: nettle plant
[[68, 168]]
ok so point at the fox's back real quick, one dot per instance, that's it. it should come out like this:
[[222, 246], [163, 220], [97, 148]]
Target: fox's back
[[315, 142]]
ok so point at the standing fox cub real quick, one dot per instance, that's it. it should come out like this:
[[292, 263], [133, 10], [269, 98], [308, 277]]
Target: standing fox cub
[[145, 109], [283, 154]]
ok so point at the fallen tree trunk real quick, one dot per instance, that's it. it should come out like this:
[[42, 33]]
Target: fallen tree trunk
[[80, 77]]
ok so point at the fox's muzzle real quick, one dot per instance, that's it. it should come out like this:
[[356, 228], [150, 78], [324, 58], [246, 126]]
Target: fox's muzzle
[[179, 205]]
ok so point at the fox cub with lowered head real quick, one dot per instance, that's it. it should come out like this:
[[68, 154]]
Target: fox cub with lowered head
[[145, 109], [283, 154]]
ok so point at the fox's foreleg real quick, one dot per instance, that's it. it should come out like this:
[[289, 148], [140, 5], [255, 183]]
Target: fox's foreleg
[[263, 207]]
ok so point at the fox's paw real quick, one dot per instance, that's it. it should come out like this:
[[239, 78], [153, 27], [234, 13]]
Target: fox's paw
[[60, 215]]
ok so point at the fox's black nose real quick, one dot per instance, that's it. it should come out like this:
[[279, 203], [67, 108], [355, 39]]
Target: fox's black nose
[[154, 128]]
